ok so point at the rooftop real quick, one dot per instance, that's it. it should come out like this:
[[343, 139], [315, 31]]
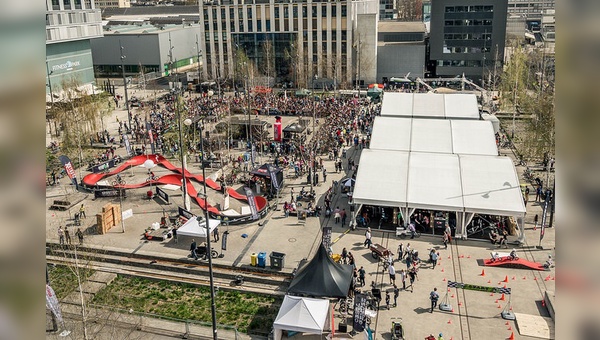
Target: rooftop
[[401, 26]]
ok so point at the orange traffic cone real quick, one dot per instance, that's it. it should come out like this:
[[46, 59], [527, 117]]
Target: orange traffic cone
[[524, 277], [442, 270], [534, 278], [459, 303], [482, 272], [507, 323], [547, 278], [452, 311], [504, 286], [512, 336], [444, 280], [502, 298], [514, 278], [468, 256], [496, 301], [506, 278], [499, 306], [489, 281], [452, 296], [510, 308], [553, 278], [449, 320], [462, 256], [491, 294], [448, 257]]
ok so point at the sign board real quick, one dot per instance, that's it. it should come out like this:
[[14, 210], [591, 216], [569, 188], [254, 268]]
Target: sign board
[[109, 193], [127, 214], [162, 194], [103, 166], [359, 319], [184, 213], [460, 285], [224, 240], [68, 165], [326, 237], [251, 203]]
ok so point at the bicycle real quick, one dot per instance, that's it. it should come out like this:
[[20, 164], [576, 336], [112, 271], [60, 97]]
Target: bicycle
[[118, 181]]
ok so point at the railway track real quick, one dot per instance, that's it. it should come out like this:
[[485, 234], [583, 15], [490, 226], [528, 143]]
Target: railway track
[[461, 308], [270, 283]]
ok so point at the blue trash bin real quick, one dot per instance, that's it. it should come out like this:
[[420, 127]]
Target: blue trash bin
[[262, 259]]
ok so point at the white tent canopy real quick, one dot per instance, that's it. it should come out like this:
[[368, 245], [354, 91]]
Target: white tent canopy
[[467, 137], [435, 181], [430, 105], [301, 314], [192, 228]]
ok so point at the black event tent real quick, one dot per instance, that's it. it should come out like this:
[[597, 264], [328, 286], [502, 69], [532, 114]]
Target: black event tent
[[322, 277]]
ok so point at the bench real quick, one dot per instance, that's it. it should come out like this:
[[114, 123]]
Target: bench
[[60, 205]]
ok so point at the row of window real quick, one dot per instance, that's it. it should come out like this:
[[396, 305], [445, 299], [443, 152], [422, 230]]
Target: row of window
[[467, 22], [466, 49], [277, 11], [460, 63], [465, 9], [468, 36], [259, 27]]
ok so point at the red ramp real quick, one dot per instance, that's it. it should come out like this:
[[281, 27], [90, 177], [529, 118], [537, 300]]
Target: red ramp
[[517, 264]]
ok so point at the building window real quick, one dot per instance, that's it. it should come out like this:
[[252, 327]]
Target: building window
[[344, 11], [258, 25], [67, 4], [295, 11], [333, 11], [304, 11], [286, 12], [314, 11], [249, 12], [324, 11], [232, 25], [249, 25], [55, 5], [240, 14], [77, 4], [231, 13], [268, 24], [214, 14]]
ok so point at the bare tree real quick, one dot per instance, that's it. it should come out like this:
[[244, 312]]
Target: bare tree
[[410, 10], [268, 60]]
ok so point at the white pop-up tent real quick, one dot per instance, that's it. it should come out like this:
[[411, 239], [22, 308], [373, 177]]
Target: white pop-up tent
[[301, 314], [430, 105], [195, 229]]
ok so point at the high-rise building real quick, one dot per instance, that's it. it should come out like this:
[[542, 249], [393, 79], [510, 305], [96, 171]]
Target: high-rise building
[[467, 37], [532, 9], [309, 39], [70, 24]]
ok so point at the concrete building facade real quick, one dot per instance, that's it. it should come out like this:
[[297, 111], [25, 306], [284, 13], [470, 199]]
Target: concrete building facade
[[317, 34], [147, 48], [70, 25], [400, 49], [467, 37], [532, 9]]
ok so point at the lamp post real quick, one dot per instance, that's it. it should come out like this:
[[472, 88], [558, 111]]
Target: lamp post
[[213, 308], [186, 198], [313, 169], [250, 144], [125, 83]]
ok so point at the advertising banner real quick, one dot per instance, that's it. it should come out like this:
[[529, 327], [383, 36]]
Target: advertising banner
[[127, 145], [277, 129], [66, 162], [52, 303], [326, 237], [359, 319], [251, 203], [224, 240], [273, 175]]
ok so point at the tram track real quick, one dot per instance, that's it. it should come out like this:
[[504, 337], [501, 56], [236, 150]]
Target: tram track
[[270, 283], [463, 315]]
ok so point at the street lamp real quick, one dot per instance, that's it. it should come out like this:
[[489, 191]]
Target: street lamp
[[125, 83], [213, 308]]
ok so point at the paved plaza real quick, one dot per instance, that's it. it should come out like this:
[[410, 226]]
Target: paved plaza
[[476, 314]]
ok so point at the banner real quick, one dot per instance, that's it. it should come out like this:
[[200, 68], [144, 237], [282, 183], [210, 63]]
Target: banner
[[326, 237], [359, 319], [460, 285], [103, 166], [66, 162], [127, 145], [224, 240], [52, 303], [251, 203], [544, 213], [127, 214], [277, 129], [185, 213], [110, 193], [162, 194], [273, 175]]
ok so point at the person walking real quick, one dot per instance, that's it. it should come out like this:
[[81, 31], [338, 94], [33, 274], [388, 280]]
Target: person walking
[[400, 251], [193, 247], [361, 276], [324, 175], [387, 300], [337, 215], [175, 234], [433, 296], [445, 240], [79, 235], [535, 221], [526, 195], [344, 255], [82, 211], [216, 234], [368, 237], [392, 272], [409, 260], [396, 293], [412, 275], [403, 278], [434, 259], [61, 235], [343, 216], [67, 236]]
